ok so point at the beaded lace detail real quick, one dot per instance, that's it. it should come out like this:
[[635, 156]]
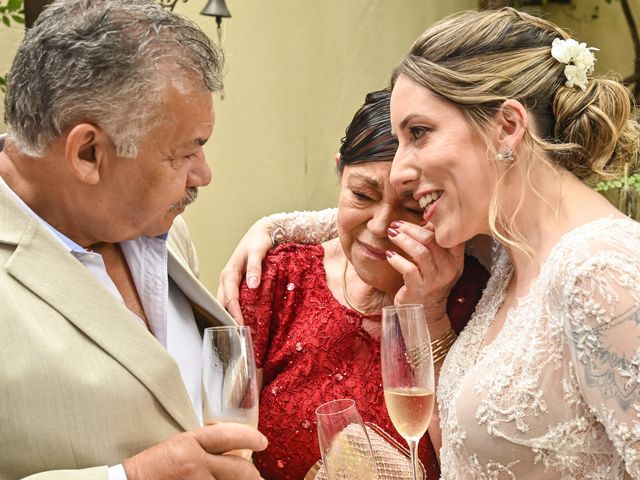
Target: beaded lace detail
[[556, 394], [304, 226]]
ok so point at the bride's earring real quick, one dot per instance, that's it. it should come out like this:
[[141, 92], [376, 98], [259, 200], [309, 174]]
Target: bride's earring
[[506, 156]]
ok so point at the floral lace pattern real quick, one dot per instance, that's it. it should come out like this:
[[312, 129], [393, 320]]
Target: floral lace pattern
[[312, 349], [304, 227], [556, 394]]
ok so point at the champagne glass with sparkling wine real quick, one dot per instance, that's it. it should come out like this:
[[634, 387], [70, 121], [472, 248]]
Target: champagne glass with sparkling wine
[[229, 382], [407, 373], [344, 442]]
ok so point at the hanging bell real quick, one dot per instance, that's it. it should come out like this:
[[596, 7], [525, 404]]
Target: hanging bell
[[218, 9]]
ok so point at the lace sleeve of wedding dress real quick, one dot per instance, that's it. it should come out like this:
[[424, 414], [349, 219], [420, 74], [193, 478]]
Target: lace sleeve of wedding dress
[[601, 305], [303, 226]]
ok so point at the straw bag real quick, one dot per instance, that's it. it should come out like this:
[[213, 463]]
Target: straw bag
[[392, 459]]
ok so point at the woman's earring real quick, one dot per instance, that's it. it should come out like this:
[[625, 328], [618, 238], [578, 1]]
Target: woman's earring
[[506, 156]]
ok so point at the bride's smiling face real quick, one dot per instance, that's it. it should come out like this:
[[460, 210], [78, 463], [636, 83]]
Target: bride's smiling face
[[443, 161], [367, 205]]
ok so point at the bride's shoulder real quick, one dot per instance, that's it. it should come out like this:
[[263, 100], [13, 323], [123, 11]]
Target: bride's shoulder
[[602, 238], [602, 255]]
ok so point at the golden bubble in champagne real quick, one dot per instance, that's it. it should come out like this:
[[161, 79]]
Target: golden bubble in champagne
[[410, 410]]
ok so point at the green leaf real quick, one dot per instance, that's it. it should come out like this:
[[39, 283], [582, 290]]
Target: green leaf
[[14, 5], [17, 18], [6, 21]]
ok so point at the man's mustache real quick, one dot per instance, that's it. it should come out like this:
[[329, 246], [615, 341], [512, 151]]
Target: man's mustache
[[192, 194]]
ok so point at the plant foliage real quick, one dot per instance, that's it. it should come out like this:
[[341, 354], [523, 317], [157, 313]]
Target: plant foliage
[[11, 13]]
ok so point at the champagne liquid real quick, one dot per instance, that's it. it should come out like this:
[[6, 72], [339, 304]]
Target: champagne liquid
[[251, 420], [410, 410], [246, 416]]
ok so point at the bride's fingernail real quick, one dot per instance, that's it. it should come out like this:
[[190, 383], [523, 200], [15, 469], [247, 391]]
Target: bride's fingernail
[[392, 232], [389, 253], [252, 282], [396, 224]]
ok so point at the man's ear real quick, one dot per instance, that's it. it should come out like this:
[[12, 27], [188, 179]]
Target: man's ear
[[511, 123], [87, 148], [337, 158]]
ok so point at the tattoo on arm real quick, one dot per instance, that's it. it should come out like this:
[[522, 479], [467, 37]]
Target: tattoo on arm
[[612, 358]]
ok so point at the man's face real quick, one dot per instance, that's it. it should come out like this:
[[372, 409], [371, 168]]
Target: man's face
[[146, 193]]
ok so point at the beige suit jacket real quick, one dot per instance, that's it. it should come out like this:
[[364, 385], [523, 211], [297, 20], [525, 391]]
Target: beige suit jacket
[[83, 384]]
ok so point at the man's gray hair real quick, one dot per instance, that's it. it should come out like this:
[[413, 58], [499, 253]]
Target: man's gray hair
[[104, 62]]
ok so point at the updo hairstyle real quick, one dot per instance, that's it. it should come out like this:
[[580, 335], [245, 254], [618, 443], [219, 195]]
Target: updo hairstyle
[[368, 137], [477, 60]]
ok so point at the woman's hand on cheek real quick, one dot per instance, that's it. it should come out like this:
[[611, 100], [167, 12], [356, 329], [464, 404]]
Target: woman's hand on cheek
[[431, 271]]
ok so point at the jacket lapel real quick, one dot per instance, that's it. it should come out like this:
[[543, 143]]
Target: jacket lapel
[[206, 308], [47, 269]]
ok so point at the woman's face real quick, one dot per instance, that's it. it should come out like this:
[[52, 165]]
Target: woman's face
[[368, 203], [442, 161]]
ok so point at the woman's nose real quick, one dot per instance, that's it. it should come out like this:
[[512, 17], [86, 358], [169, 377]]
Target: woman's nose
[[404, 172], [379, 223]]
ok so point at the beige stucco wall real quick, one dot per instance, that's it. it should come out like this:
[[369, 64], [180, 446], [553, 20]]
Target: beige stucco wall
[[297, 70]]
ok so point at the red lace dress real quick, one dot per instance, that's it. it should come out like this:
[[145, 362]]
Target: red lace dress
[[312, 350]]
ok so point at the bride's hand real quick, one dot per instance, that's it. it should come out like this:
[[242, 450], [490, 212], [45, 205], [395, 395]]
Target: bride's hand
[[432, 271]]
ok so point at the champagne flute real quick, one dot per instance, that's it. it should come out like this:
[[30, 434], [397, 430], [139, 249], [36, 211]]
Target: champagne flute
[[344, 442], [229, 382], [407, 373]]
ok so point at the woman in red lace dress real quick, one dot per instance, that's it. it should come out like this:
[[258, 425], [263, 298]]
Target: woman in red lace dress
[[315, 316]]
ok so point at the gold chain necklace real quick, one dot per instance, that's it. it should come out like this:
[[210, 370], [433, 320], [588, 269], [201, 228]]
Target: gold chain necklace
[[344, 292]]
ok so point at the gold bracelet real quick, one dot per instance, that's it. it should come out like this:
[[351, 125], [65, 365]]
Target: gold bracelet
[[441, 346]]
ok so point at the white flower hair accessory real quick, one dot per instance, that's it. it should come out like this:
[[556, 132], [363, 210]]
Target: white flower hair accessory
[[578, 58]]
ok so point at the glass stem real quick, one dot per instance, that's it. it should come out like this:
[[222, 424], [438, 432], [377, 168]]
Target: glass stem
[[413, 450]]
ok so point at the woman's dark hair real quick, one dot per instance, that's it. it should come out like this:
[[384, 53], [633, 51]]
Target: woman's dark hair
[[368, 137]]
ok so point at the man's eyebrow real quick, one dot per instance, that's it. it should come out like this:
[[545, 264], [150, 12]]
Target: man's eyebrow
[[196, 142]]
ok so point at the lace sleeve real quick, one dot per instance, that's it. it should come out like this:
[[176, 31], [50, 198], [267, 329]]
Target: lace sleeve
[[602, 321], [304, 227]]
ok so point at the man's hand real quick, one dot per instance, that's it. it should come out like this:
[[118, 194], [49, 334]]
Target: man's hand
[[198, 455]]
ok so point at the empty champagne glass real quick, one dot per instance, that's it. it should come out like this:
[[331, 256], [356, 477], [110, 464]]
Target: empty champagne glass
[[229, 383], [344, 442], [407, 373]]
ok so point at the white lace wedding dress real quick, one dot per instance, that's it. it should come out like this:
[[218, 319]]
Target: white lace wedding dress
[[556, 395]]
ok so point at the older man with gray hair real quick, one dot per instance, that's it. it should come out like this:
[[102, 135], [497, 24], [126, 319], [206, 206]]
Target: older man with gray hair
[[108, 106]]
